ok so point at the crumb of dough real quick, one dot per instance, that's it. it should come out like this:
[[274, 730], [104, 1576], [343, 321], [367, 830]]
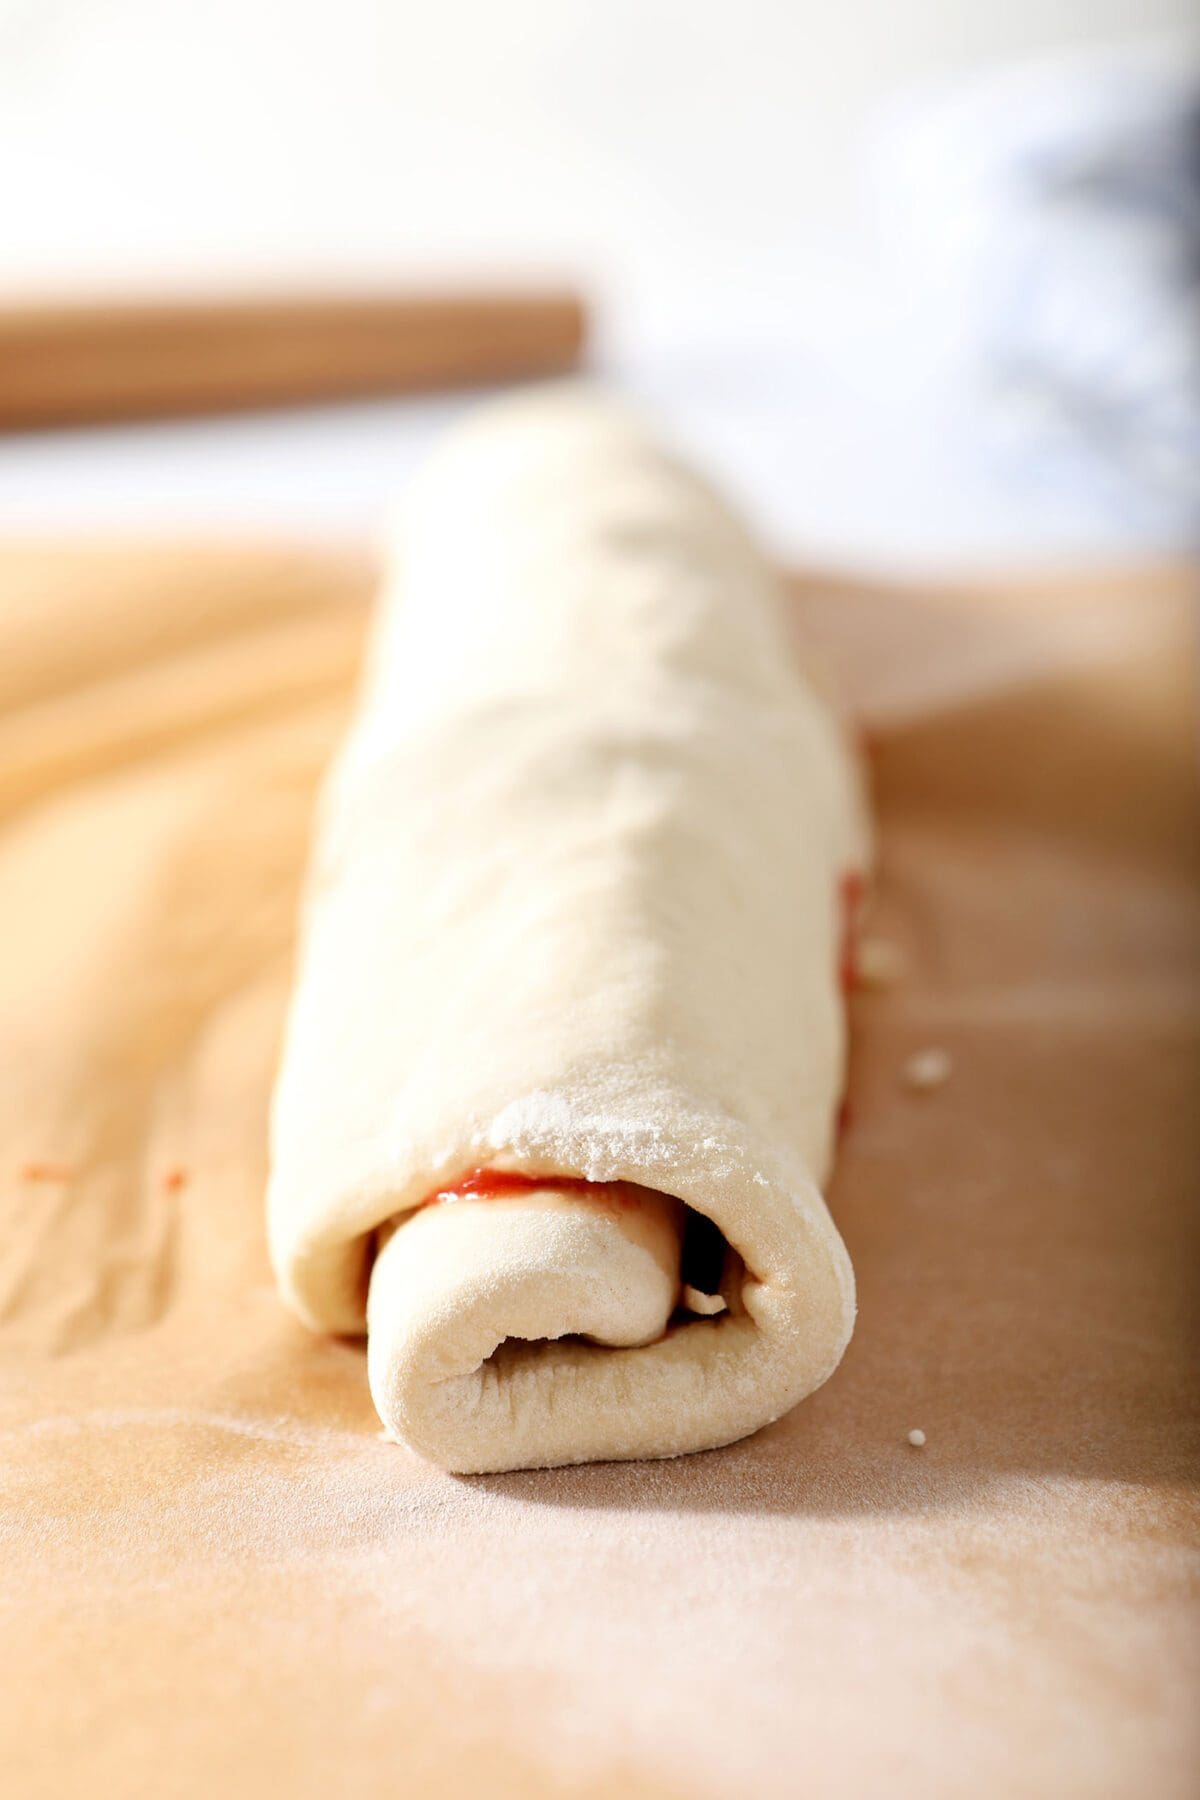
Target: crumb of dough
[[879, 963], [707, 1305], [916, 1438], [928, 1069]]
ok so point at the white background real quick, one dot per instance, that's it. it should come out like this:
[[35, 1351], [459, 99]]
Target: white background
[[704, 167]]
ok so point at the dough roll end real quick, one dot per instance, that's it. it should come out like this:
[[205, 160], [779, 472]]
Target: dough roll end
[[466, 1296]]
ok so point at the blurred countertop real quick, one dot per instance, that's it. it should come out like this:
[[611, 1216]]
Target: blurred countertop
[[850, 461]]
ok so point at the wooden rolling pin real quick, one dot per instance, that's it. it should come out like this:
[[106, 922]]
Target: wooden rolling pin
[[78, 362]]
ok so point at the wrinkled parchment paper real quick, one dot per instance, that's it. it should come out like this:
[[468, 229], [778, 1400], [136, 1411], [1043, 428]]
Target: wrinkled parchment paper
[[217, 1578]]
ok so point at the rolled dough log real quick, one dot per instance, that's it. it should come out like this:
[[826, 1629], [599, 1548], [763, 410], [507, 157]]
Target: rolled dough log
[[574, 913]]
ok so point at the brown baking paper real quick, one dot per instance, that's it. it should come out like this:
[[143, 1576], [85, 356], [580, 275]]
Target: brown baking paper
[[218, 1579]]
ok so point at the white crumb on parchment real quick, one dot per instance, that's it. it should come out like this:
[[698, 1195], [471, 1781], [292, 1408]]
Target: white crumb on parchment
[[928, 1069]]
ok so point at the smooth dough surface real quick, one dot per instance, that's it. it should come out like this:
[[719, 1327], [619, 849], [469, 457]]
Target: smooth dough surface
[[573, 912]]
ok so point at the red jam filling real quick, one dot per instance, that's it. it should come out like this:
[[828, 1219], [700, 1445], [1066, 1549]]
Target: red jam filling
[[503, 1184]]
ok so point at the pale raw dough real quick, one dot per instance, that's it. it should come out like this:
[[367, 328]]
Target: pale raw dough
[[453, 1283], [573, 912]]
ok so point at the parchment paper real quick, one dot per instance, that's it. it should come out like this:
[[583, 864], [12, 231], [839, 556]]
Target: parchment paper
[[217, 1578]]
